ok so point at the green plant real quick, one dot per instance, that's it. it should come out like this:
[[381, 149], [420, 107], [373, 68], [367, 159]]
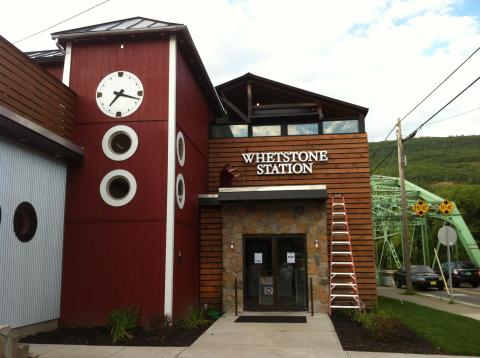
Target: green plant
[[378, 322], [193, 319], [121, 323]]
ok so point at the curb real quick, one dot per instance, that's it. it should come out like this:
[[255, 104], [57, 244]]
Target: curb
[[447, 299]]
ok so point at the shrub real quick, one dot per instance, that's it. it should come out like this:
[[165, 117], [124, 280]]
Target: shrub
[[378, 322], [193, 319], [122, 323]]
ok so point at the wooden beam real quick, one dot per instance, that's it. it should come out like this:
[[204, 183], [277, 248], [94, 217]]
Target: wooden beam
[[249, 99], [235, 109]]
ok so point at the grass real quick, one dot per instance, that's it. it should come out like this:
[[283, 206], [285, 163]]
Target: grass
[[452, 333]]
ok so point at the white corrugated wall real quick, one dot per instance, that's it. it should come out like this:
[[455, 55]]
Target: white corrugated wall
[[30, 273]]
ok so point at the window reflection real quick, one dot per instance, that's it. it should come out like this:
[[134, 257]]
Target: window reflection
[[335, 127], [266, 131], [230, 131], [302, 129]]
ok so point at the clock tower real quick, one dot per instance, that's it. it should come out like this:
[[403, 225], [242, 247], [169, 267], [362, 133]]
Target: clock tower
[[143, 106]]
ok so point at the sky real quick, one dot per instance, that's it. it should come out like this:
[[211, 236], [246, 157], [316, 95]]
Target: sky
[[384, 55]]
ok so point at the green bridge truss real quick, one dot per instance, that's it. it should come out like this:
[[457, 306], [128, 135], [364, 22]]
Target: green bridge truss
[[387, 222]]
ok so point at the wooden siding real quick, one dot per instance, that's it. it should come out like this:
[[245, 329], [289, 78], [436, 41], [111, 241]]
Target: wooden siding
[[193, 114], [347, 171], [147, 59], [211, 280], [115, 256], [56, 70], [32, 92]]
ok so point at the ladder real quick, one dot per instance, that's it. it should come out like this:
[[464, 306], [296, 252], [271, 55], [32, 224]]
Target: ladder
[[343, 289]]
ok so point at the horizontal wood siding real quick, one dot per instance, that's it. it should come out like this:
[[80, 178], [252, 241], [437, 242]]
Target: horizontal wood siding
[[29, 90], [347, 171], [211, 257]]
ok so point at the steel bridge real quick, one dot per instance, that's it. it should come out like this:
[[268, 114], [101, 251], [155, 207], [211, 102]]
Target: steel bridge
[[387, 223]]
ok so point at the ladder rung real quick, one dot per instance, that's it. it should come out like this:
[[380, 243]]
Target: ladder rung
[[340, 242], [337, 306], [333, 295], [341, 273], [343, 284], [341, 253], [339, 223], [342, 263], [339, 232], [339, 213], [338, 204]]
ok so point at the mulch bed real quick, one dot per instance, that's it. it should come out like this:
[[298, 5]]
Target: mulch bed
[[354, 337], [100, 336]]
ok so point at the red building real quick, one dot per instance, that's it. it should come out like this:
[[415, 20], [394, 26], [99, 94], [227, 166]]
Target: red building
[[128, 241]]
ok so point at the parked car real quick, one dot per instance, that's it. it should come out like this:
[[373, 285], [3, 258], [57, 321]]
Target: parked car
[[422, 277], [462, 271]]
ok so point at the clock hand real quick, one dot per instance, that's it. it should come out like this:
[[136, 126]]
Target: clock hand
[[118, 94], [124, 95]]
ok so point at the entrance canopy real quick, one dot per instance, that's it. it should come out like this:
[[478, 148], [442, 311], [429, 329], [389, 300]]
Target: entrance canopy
[[262, 193]]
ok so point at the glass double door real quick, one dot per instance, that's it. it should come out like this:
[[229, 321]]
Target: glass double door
[[275, 276]]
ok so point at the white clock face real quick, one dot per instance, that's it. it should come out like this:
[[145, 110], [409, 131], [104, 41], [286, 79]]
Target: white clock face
[[119, 94]]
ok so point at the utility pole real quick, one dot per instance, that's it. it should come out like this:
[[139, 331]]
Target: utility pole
[[403, 204]]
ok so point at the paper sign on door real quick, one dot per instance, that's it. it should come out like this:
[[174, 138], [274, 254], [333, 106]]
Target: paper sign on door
[[290, 257], [257, 258]]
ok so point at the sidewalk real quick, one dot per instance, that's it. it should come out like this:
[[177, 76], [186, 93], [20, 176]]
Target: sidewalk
[[432, 302], [225, 338]]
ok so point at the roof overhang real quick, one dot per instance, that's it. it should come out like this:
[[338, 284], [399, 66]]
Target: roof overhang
[[265, 193], [19, 128]]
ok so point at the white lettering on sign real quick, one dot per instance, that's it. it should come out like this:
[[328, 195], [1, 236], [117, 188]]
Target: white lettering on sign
[[281, 163]]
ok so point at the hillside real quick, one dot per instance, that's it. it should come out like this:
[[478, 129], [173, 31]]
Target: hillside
[[449, 167], [433, 160]]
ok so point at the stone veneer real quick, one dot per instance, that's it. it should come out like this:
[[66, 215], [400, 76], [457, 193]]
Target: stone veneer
[[308, 218]]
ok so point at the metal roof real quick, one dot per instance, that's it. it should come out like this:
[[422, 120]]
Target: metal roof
[[125, 26], [144, 26], [46, 55]]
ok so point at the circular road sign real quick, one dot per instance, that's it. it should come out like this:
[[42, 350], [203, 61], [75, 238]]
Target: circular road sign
[[447, 235]]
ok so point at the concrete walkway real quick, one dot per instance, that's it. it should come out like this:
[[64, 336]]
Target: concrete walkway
[[430, 301], [225, 338]]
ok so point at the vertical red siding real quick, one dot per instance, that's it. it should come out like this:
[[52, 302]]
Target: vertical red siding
[[115, 256], [55, 69], [193, 115]]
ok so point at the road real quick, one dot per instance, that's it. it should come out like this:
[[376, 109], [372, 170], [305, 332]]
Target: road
[[465, 294]]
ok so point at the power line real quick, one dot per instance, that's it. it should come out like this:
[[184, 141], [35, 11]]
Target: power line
[[424, 99], [454, 116], [384, 159], [411, 135], [61, 22]]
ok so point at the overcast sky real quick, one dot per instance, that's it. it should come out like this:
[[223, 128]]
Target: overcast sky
[[384, 55]]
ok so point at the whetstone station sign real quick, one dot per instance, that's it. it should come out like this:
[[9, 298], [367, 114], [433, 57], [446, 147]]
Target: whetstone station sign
[[281, 163]]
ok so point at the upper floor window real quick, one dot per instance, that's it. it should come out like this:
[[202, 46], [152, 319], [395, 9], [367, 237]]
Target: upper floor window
[[302, 129], [266, 131], [230, 131], [338, 127]]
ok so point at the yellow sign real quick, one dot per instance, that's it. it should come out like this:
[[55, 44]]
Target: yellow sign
[[446, 207], [420, 207]]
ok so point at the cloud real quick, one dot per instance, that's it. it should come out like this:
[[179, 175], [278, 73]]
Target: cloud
[[385, 55]]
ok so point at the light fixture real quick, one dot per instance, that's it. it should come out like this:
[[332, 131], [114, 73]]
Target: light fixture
[[231, 244], [316, 243]]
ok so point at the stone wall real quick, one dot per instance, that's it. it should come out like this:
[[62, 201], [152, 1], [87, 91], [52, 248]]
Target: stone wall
[[308, 218]]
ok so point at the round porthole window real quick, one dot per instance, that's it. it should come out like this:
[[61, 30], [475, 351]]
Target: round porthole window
[[118, 187], [180, 191], [120, 143], [180, 149], [25, 222]]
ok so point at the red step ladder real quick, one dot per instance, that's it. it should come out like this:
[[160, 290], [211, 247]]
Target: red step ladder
[[343, 281]]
